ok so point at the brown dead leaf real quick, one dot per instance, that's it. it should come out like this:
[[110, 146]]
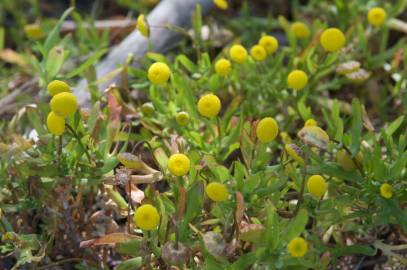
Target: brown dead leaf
[[109, 239], [10, 56]]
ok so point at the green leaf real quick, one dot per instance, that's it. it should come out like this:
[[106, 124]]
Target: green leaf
[[296, 226], [131, 264], [394, 125], [130, 248], [188, 64], [85, 65], [399, 214], [272, 228], [356, 129], [355, 249], [53, 37], [54, 62]]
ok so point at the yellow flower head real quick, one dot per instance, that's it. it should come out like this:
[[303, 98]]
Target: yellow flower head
[[332, 39], [238, 54], [267, 130], [209, 105], [146, 217], [142, 25], [376, 16], [297, 247], [258, 53], [147, 108], [34, 31], [182, 118], [386, 191], [310, 123], [179, 164], [222, 4], [300, 30], [297, 79], [55, 124], [64, 104], [294, 152], [159, 73], [57, 86], [316, 185], [217, 192], [223, 67], [269, 43]]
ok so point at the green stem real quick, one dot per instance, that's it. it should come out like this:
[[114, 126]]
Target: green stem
[[304, 179], [80, 142]]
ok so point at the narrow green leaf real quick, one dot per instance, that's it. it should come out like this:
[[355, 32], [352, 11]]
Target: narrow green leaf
[[53, 36], [356, 129], [395, 125], [296, 226]]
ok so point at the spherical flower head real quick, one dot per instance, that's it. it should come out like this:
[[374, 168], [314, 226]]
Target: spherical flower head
[[146, 217], [179, 164], [294, 152], [57, 86], [182, 118], [269, 43], [142, 26], [300, 30], [222, 4], [376, 16], [159, 73], [297, 79], [297, 247], [34, 31], [217, 192], [223, 67], [258, 53], [64, 104], [147, 108], [238, 53], [386, 191], [55, 124], [310, 123], [316, 185], [209, 105], [332, 39], [267, 130]]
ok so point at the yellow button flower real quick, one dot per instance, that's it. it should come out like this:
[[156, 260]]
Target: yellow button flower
[[146, 217], [300, 30], [159, 73], [310, 123], [147, 108], [223, 67], [209, 105], [179, 164], [386, 191], [297, 247], [222, 4], [294, 152], [258, 53], [376, 16], [297, 79], [267, 130], [55, 124], [217, 192], [57, 86], [64, 104], [316, 185], [182, 118], [34, 31], [238, 54], [332, 39], [269, 43], [142, 25]]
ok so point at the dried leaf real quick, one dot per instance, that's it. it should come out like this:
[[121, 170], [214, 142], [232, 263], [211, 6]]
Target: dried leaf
[[109, 239]]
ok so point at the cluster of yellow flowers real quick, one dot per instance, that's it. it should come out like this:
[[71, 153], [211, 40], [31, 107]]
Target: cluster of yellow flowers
[[63, 104]]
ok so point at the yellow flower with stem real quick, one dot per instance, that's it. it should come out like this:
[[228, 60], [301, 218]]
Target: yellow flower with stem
[[386, 191], [64, 104], [376, 16], [317, 185], [258, 53], [221, 4], [297, 247], [300, 30], [217, 192], [179, 164], [223, 67], [238, 53], [269, 43], [142, 26], [297, 79], [57, 86], [266, 130], [209, 105], [159, 73], [55, 124], [332, 39], [310, 123], [147, 217], [182, 118]]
